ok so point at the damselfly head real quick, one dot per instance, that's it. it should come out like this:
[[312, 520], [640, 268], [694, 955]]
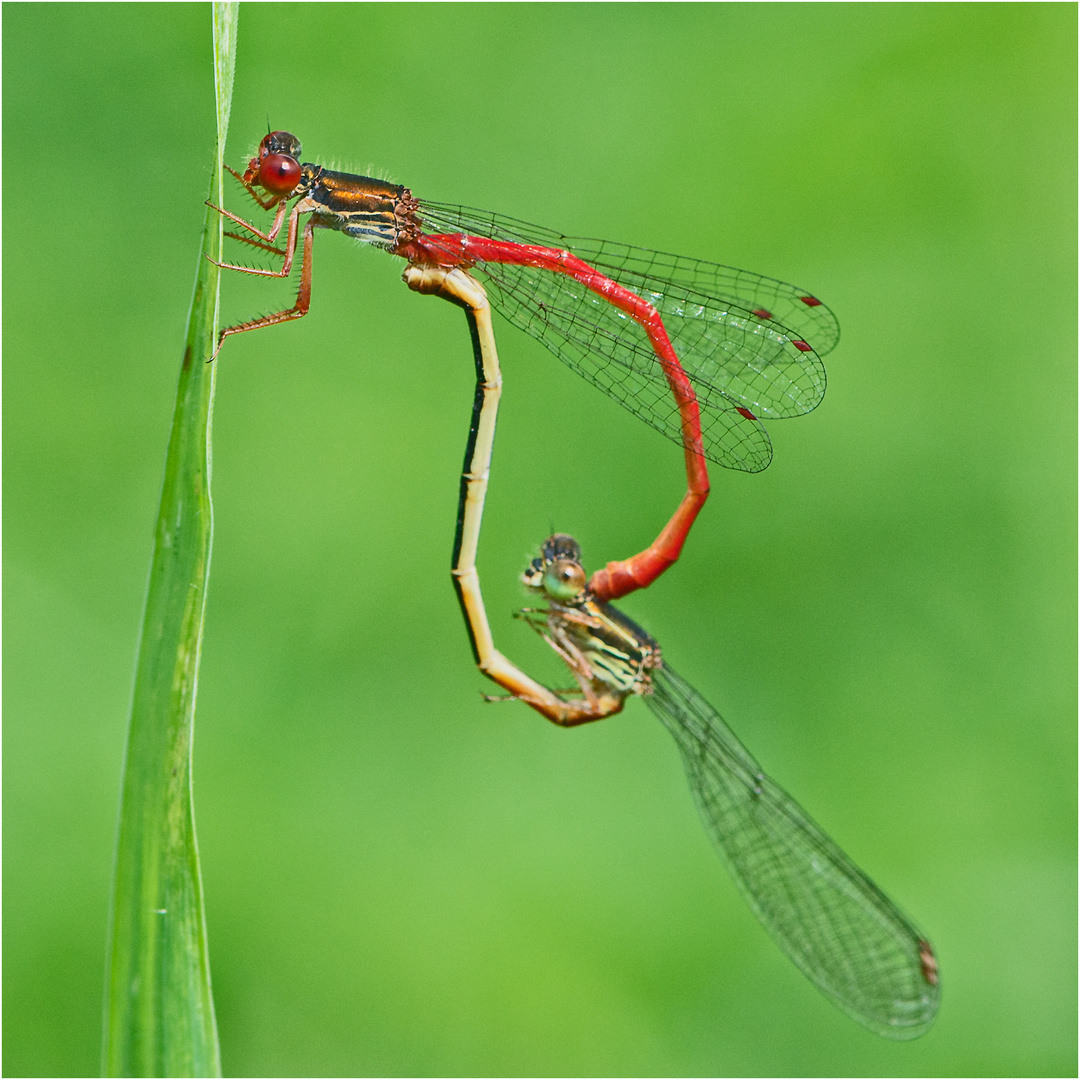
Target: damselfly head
[[276, 168], [558, 572]]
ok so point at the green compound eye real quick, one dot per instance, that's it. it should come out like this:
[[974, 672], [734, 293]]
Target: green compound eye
[[564, 580]]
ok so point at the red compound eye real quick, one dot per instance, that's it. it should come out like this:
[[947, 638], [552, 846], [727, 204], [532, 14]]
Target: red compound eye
[[279, 173]]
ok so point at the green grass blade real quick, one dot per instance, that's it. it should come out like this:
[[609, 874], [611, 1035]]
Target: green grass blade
[[159, 1010]]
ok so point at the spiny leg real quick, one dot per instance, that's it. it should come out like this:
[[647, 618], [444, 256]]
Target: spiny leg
[[270, 236], [303, 295]]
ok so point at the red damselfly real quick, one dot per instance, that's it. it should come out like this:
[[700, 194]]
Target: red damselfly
[[701, 352]]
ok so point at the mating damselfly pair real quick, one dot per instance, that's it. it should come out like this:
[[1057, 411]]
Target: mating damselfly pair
[[703, 353]]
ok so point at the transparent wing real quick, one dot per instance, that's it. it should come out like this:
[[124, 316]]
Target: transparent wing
[[838, 927], [746, 341]]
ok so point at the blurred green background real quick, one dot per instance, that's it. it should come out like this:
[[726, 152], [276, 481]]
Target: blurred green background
[[401, 879]]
